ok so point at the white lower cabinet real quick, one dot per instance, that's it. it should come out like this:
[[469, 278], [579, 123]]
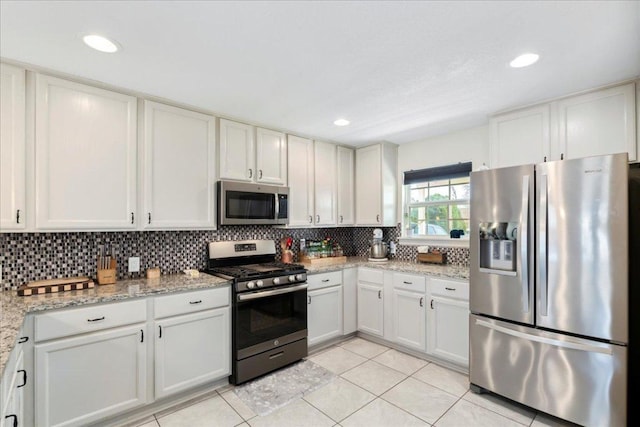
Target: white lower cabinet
[[324, 314], [370, 301], [12, 392], [324, 307], [90, 377], [448, 321], [408, 308], [349, 300], [191, 349]]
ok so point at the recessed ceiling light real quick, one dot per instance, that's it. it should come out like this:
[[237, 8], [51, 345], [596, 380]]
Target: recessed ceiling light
[[341, 122], [100, 43], [524, 60]]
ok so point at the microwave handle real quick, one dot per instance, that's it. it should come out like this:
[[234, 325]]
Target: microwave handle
[[277, 202]]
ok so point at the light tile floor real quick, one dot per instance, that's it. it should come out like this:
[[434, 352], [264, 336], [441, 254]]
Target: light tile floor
[[376, 387]]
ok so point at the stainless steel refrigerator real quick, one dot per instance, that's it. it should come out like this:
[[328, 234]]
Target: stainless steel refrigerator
[[549, 287]]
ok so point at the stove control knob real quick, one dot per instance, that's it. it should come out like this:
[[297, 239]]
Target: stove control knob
[[251, 285], [292, 278], [299, 276], [276, 280], [260, 283]]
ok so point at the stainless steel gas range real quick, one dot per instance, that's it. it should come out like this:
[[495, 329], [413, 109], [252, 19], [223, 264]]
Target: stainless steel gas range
[[269, 306]]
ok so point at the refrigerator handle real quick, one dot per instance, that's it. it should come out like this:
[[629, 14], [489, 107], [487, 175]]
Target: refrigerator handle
[[523, 259], [595, 348], [542, 248]]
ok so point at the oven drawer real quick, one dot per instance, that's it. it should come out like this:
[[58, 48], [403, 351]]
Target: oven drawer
[[189, 302], [268, 361], [324, 280]]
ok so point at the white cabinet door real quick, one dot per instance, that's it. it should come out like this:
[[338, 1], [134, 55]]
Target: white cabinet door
[[300, 158], [15, 378], [370, 308], [449, 329], [271, 157], [596, 123], [12, 148], [368, 186], [85, 168], [90, 377], [324, 315], [179, 168], [346, 186], [409, 319], [325, 183], [350, 300], [236, 151], [520, 137], [191, 349]]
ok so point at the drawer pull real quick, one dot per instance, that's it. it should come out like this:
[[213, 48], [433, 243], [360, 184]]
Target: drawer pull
[[432, 304], [421, 301], [325, 280], [273, 356], [24, 378], [379, 294], [23, 340], [15, 419], [407, 283], [160, 327], [450, 289], [97, 319], [308, 299], [141, 335], [195, 302]]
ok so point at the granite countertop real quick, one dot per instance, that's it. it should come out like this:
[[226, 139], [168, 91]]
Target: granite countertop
[[436, 270], [14, 308]]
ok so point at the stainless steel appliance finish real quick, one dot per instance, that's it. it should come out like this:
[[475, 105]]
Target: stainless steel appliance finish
[[379, 249], [549, 328], [269, 306], [242, 203]]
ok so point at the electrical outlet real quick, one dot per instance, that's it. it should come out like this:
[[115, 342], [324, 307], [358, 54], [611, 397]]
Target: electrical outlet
[[392, 248], [134, 264]]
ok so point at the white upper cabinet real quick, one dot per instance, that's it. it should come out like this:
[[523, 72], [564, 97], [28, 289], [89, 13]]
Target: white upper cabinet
[[271, 157], [325, 183], [346, 187], [85, 154], [178, 168], [376, 189], [520, 137], [12, 148], [236, 151], [591, 124], [252, 154], [601, 122], [300, 155]]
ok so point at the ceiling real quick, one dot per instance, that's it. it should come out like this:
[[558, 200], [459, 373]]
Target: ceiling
[[399, 71]]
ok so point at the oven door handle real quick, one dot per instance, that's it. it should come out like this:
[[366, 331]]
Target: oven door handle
[[262, 294]]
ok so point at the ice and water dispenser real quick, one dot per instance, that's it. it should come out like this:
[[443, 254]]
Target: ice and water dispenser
[[498, 242]]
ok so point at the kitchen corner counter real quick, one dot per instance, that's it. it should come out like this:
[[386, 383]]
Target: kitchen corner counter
[[448, 271], [14, 308]]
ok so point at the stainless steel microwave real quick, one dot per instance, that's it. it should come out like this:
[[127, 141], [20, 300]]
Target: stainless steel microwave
[[241, 203]]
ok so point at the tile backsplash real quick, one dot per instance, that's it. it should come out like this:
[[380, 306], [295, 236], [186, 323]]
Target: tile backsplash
[[26, 257]]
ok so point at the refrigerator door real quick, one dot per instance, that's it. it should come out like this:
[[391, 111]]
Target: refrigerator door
[[582, 246], [501, 243], [575, 379]]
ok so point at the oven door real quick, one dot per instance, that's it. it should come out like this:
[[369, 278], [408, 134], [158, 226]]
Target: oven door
[[267, 319]]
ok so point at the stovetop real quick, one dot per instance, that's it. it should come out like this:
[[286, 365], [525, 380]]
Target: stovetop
[[256, 270]]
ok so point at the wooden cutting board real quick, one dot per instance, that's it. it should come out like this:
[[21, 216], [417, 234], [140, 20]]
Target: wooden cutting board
[[52, 282], [40, 287]]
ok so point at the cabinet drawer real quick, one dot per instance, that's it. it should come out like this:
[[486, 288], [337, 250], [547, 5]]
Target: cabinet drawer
[[89, 319], [370, 275], [189, 302], [324, 280], [410, 282], [450, 288]]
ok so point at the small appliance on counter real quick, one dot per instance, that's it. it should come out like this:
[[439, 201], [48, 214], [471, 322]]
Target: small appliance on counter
[[379, 249]]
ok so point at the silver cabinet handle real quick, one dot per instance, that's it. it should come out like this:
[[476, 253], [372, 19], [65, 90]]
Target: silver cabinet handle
[[523, 261], [250, 173], [260, 174], [421, 301]]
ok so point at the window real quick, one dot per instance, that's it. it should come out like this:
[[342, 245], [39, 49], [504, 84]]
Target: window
[[436, 201]]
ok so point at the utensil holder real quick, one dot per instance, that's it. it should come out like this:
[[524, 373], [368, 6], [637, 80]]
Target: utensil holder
[[107, 276]]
